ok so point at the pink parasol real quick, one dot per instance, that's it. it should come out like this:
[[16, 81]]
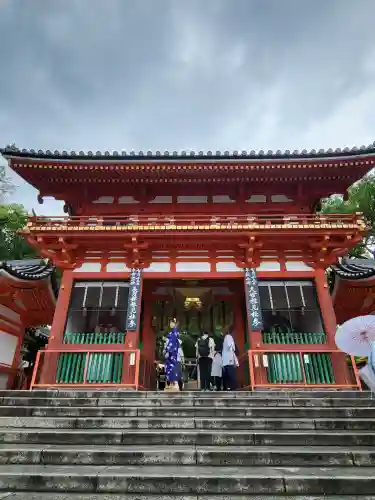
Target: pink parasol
[[356, 336]]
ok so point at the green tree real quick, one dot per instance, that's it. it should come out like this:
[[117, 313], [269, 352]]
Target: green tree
[[6, 185], [12, 218], [12, 245], [361, 198]]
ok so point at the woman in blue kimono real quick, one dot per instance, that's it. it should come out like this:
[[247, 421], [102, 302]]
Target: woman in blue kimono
[[171, 353]]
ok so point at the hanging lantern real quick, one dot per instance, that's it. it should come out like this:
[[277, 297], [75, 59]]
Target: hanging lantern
[[193, 302]]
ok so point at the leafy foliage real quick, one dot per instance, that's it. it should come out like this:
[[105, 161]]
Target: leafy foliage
[[361, 198], [12, 218], [12, 245], [6, 185]]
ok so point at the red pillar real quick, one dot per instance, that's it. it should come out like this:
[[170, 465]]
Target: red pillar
[[61, 311], [147, 359], [239, 332], [326, 306], [48, 361], [340, 367], [148, 334]]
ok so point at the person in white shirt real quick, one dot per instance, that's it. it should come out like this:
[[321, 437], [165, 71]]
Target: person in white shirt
[[230, 362], [205, 349], [217, 364]]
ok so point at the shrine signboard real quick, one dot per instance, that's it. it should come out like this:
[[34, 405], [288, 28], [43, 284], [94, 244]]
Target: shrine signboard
[[254, 311], [134, 300]]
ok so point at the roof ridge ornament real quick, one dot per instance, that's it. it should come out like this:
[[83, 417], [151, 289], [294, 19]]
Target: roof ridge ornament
[[12, 147]]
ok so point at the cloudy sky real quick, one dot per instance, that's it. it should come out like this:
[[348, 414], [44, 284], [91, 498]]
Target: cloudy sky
[[185, 74]]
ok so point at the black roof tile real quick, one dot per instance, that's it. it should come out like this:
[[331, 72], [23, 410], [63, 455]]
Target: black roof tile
[[355, 269], [12, 150], [32, 270]]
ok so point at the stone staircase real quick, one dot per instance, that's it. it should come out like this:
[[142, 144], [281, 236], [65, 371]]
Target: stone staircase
[[117, 445]]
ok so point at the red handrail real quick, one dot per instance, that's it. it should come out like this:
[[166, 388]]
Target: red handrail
[[199, 219]]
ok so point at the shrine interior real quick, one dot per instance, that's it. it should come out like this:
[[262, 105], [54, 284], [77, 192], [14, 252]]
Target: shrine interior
[[198, 305]]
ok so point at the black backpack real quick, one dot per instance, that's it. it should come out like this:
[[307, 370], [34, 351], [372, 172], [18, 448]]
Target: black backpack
[[204, 348]]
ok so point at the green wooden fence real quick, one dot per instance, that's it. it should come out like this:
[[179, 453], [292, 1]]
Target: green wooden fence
[[102, 367], [289, 368], [293, 338]]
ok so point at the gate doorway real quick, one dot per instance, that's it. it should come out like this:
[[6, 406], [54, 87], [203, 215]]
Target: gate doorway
[[207, 305]]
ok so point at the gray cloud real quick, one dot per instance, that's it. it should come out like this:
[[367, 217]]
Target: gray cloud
[[167, 74]]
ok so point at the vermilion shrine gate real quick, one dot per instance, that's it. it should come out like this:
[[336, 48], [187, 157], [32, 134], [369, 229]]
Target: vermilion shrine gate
[[151, 236]]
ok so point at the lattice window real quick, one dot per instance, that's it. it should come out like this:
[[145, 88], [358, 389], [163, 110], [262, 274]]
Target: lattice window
[[291, 312], [98, 307]]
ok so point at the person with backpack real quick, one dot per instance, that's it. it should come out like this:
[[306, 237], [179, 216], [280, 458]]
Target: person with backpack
[[205, 348], [230, 362]]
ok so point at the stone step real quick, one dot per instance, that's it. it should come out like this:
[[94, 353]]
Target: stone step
[[126, 445], [263, 394], [217, 437], [189, 479], [229, 423], [171, 400], [285, 456], [150, 423], [141, 496], [192, 411]]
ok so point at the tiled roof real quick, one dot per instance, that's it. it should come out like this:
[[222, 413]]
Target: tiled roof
[[355, 269], [12, 150], [31, 269]]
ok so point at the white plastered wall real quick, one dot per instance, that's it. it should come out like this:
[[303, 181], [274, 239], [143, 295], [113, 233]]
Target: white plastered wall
[[8, 345], [88, 267], [227, 267], [3, 381], [117, 267], [158, 267], [271, 265], [10, 314], [192, 267], [297, 266]]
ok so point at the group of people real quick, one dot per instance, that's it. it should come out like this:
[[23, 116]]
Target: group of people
[[216, 361]]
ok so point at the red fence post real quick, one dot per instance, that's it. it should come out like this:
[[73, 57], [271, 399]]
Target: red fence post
[[35, 371]]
